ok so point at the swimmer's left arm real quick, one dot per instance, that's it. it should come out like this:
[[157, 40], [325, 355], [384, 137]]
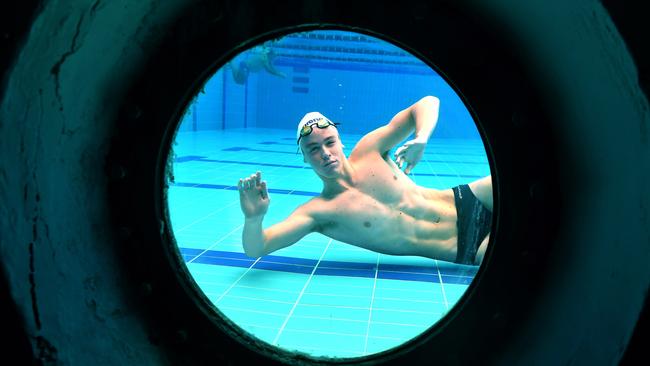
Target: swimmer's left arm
[[425, 117], [421, 118], [424, 113]]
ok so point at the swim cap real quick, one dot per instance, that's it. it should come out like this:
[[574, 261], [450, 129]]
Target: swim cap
[[309, 119]]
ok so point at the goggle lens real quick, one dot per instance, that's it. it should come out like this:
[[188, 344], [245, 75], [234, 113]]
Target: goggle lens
[[307, 129]]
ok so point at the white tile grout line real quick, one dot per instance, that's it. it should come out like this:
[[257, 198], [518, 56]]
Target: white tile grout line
[[434, 173], [319, 318], [376, 309], [402, 340], [236, 281], [442, 285], [217, 242], [240, 310], [372, 301], [286, 320], [259, 299]]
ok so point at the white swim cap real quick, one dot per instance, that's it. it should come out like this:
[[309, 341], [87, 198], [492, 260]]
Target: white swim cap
[[310, 119]]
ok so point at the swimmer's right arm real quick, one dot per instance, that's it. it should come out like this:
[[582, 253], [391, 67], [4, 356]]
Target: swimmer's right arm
[[257, 242]]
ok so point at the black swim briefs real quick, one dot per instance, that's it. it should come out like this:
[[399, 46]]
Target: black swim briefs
[[473, 223]]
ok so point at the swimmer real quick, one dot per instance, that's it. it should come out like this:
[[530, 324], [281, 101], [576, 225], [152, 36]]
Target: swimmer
[[254, 60], [368, 201]]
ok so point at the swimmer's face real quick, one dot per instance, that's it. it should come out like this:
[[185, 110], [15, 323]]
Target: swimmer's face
[[323, 150]]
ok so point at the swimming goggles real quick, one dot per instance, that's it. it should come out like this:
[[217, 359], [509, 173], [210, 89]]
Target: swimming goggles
[[307, 128]]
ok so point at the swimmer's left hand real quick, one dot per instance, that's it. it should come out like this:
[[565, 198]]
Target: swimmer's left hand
[[410, 153]]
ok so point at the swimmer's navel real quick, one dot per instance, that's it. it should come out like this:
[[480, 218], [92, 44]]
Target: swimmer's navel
[[367, 224]]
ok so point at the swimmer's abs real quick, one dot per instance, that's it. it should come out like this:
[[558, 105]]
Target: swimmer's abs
[[398, 221], [393, 232]]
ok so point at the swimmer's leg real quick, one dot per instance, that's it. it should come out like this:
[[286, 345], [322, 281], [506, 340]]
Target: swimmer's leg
[[482, 189], [268, 65], [239, 73]]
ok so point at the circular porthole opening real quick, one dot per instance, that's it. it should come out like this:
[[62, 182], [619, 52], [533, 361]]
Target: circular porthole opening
[[378, 263]]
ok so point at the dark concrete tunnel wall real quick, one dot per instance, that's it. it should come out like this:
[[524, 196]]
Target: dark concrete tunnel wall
[[70, 295]]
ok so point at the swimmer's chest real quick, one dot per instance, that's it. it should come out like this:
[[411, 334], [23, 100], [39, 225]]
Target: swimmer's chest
[[357, 218], [380, 203], [380, 179]]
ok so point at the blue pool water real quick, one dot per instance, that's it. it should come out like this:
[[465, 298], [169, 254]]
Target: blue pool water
[[319, 296]]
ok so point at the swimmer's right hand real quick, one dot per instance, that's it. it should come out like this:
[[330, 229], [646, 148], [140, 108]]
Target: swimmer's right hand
[[410, 153], [253, 196]]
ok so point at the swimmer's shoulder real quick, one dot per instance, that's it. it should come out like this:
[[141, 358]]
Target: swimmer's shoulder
[[322, 212], [314, 206], [312, 209], [318, 208], [362, 151]]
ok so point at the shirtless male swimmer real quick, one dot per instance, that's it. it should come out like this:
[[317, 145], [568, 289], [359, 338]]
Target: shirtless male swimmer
[[369, 202], [254, 60]]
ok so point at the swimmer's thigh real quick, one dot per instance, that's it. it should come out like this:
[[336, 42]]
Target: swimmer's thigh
[[482, 189], [481, 250]]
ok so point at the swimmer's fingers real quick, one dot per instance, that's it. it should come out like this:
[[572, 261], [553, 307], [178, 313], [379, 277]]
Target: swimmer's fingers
[[246, 183], [240, 185], [400, 151], [258, 178], [251, 181], [264, 192], [403, 158], [399, 156], [398, 161], [409, 167]]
